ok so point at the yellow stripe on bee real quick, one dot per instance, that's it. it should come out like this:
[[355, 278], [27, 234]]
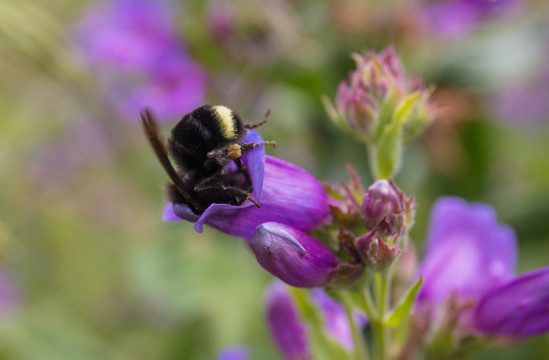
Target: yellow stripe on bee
[[226, 121]]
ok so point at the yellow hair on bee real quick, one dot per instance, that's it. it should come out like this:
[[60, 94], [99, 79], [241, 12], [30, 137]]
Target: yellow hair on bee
[[226, 121]]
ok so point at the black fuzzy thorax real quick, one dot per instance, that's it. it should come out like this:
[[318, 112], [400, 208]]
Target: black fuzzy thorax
[[196, 134]]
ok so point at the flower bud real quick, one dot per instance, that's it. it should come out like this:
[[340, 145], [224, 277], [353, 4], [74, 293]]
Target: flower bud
[[375, 252], [386, 209], [293, 256], [381, 105], [382, 208], [378, 93]]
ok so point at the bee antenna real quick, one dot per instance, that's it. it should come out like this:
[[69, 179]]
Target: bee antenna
[[253, 126]]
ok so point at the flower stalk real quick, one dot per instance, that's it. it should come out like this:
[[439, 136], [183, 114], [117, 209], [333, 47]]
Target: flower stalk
[[360, 348], [381, 331]]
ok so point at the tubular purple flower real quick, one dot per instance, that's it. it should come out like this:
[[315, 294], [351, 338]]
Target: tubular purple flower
[[518, 308], [470, 260], [336, 321], [293, 256], [288, 328], [285, 325], [288, 193], [467, 251], [141, 57]]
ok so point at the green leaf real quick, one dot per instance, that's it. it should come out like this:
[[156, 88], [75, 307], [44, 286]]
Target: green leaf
[[404, 109], [333, 114], [394, 318]]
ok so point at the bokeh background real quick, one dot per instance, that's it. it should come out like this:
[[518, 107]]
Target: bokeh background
[[87, 268]]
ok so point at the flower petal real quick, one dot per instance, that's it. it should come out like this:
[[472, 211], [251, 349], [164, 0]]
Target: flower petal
[[288, 193], [293, 256], [468, 252], [285, 324], [254, 161], [336, 321], [518, 308]]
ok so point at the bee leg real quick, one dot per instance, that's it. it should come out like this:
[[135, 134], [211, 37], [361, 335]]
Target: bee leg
[[249, 146], [253, 126], [244, 171], [239, 192], [209, 185]]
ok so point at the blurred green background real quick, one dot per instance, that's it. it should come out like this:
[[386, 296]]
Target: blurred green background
[[90, 271]]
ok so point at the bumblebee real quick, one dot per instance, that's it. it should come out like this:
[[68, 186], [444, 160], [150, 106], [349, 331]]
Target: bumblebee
[[201, 145]]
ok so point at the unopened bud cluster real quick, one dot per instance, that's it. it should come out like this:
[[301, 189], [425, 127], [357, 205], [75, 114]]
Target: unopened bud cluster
[[377, 220], [381, 105]]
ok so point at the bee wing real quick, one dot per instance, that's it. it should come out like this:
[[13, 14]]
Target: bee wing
[[151, 131]]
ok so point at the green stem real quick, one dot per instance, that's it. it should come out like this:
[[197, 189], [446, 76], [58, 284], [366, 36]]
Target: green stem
[[381, 332], [373, 161], [364, 302], [360, 350]]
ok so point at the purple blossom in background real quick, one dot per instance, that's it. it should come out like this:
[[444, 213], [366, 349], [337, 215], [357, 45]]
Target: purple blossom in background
[[523, 105], [518, 308], [289, 195], [233, 353], [134, 47], [9, 297], [467, 251], [336, 322], [222, 19], [456, 18], [285, 325], [471, 258], [289, 330]]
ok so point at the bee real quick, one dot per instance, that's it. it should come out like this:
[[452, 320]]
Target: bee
[[201, 145]]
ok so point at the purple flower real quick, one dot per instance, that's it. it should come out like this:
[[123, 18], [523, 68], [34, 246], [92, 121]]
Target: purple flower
[[285, 324], [467, 251], [293, 256], [233, 353], [288, 329], [460, 17], [336, 321], [471, 259], [518, 308], [289, 195], [523, 105], [140, 57]]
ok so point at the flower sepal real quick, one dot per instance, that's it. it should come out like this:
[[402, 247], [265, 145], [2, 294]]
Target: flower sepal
[[378, 254]]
